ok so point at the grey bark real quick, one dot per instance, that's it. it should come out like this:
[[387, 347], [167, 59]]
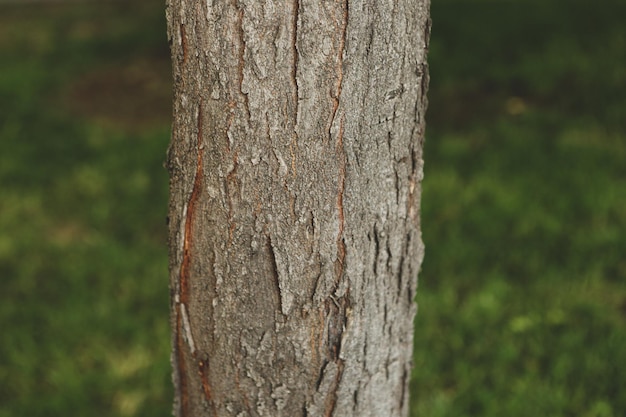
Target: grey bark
[[295, 166]]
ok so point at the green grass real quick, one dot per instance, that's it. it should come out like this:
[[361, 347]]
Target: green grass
[[82, 216], [523, 289]]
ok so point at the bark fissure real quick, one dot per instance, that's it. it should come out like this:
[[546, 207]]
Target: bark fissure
[[183, 288], [336, 93], [275, 274], [294, 82], [404, 390], [231, 190], [183, 330], [242, 391], [181, 368], [341, 185], [294, 48], [336, 309], [241, 48], [183, 40], [204, 371], [331, 399]]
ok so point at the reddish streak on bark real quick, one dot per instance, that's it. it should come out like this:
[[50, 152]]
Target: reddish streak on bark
[[183, 284], [341, 246], [331, 399], [246, 402], [191, 210], [203, 367], [183, 42]]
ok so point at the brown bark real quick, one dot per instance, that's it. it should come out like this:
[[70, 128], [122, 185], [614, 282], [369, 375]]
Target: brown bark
[[295, 164]]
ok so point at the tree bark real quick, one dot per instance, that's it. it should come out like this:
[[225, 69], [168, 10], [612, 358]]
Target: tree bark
[[295, 166]]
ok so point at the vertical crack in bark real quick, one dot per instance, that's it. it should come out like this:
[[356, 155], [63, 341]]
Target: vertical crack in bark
[[275, 273], [242, 391], [400, 273], [182, 295], [424, 83], [397, 184], [203, 371], [317, 343], [376, 250], [231, 180], [427, 27], [412, 210], [404, 389], [232, 105], [294, 81], [183, 42], [292, 150], [410, 289], [189, 216], [337, 320], [331, 399], [294, 50], [241, 58], [341, 185], [180, 366], [336, 308], [355, 400], [339, 66]]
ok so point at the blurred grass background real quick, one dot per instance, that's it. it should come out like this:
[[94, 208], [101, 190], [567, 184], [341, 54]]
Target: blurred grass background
[[523, 290]]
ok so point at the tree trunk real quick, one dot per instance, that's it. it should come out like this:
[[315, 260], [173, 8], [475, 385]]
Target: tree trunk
[[295, 164]]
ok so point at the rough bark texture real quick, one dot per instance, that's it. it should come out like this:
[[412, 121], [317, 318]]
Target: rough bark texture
[[295, 163]]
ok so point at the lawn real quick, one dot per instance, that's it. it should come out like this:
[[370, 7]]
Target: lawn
[[522, 296]]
